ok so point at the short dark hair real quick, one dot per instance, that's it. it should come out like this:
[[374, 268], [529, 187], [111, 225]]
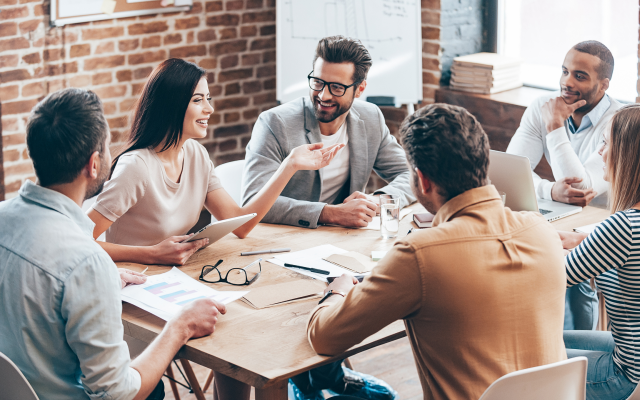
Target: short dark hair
[[63, 131], [448, 145], [595, 48], [340, 49]]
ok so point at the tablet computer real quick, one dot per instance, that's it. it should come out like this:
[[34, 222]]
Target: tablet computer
[[216, 230]]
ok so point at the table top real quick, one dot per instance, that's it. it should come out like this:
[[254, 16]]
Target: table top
[[262, 347]]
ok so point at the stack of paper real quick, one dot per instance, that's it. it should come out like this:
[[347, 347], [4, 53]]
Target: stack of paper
[[353, 261], [163, 295], [485, 73], [283, 293]]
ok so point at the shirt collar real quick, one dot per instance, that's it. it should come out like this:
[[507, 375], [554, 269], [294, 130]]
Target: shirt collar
[[593, 116], [460, 202], [58, 202]]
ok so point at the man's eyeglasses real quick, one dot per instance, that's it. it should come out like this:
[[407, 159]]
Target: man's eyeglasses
[[335, 88], [235, 276]]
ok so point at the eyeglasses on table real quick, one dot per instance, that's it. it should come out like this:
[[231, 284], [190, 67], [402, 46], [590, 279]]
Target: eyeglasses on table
[[234, 276]]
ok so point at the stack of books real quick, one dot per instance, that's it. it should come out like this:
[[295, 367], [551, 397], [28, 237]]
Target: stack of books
[[485, 73]]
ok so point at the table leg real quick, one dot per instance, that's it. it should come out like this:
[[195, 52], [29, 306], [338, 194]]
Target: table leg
[[193, 381], [275, 392]]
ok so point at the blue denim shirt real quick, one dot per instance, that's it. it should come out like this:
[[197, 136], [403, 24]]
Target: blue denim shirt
[[60, 307]]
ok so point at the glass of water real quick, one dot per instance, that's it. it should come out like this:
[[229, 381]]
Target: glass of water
[[389, 215]]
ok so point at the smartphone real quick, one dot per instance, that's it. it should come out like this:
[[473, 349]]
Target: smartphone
[[332, 278]]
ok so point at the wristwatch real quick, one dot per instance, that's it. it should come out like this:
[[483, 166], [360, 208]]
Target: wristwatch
[[329, 293]]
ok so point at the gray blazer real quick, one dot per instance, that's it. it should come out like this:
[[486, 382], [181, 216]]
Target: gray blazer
[[281, 129]]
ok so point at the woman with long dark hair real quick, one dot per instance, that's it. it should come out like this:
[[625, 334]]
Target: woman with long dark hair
[[611, 255], [163, 178]]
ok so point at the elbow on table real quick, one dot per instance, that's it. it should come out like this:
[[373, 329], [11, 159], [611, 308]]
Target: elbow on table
[[322, 342]]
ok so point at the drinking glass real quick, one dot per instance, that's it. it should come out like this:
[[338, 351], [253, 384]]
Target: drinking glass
[[389, 215]]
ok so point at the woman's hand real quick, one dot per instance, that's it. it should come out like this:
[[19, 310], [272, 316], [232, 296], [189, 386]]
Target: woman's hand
[[129, 277], [172, 252], [571, 240], [312, 156]]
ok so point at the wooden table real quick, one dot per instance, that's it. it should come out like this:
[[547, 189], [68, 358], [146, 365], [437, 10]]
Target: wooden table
[[264, 348]]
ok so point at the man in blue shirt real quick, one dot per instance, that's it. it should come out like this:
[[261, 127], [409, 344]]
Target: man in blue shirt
[[60, 301]]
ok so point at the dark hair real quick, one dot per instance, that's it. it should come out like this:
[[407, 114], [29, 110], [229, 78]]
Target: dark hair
[[159, 112], [340, 49], [448, 145], [63, 131], [595, 48]]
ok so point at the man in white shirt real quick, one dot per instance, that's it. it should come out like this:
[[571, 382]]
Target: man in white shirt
[[568, 128]]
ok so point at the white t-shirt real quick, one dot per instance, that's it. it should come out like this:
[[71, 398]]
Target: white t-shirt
[[336, 173]]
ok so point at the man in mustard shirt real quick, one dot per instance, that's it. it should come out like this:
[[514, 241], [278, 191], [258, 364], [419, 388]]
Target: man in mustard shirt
[[481, 293]]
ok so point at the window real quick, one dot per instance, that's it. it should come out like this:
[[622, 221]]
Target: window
[[540, 32]]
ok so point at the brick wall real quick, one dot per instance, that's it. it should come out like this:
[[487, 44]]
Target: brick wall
[[233, 39]]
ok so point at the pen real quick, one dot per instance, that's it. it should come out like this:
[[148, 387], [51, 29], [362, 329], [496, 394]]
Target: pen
[[252, 253], [316, 270], [145, 270], [410, 230]]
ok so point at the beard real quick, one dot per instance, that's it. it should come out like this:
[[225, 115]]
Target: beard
[[326, 116], [96, 187], [590, 97]]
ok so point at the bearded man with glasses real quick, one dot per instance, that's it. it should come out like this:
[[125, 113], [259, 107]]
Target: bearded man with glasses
[[335, 194]]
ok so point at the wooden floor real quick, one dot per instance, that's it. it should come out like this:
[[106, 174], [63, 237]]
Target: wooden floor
[[392, 362]]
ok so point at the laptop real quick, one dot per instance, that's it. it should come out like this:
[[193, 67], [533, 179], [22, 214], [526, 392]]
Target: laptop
[[511, 174]]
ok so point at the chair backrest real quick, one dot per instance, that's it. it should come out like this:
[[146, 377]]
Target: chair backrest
[[636, 394], [230, 175], [12, 383], [565, 380]]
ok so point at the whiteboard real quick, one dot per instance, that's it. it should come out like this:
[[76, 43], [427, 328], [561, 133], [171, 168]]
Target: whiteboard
[[389, 29]]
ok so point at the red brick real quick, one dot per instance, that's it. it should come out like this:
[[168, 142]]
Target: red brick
[[229, 62], [69, 37], [79, 50], [41, 9], [235, 75], [10, 124], [190, 37], [13, 44], [229, 144], [431, 33], [254, 4], [232, 88], [52, 54], [118, 122], [269, 56], [17, 107], [136, 88], [55, 85], [151, 27], [11, 155], [263, 98], [212, 6], [80, 80], [15, 139], [124, 75], [251, 87], [234, 5], [223, 20], [234, 130], [215, 91], [188, 51], [151, 41], [433, 4], [430, 78], [103, 62], [142, 73], [196, 8], [430, 17], [261, 44], [262, 16], [248, 31], [227, 103], [208, 63], [10, 60], [269, 84], [428, 95], [147, 57], [102, 33], [173, 38], [128, 44], [101, 78], [9, 92], [228, 33], [8, 2], [127, 105], [431, 63], [231, 117], [267, 30], [57, 69], [14, 75], [33, 89], [234, 46], [251, 59], [431, 48], [20, 168], [187, 23], [32, 58], [266, 71], [14, 13], [8, 29], [29, 26], [111, 91], [105, 47]]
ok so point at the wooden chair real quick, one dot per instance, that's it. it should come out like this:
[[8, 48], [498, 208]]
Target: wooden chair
[[14, 385]]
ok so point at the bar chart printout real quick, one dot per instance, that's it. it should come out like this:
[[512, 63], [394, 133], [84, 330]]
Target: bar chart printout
[[165, 294]]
